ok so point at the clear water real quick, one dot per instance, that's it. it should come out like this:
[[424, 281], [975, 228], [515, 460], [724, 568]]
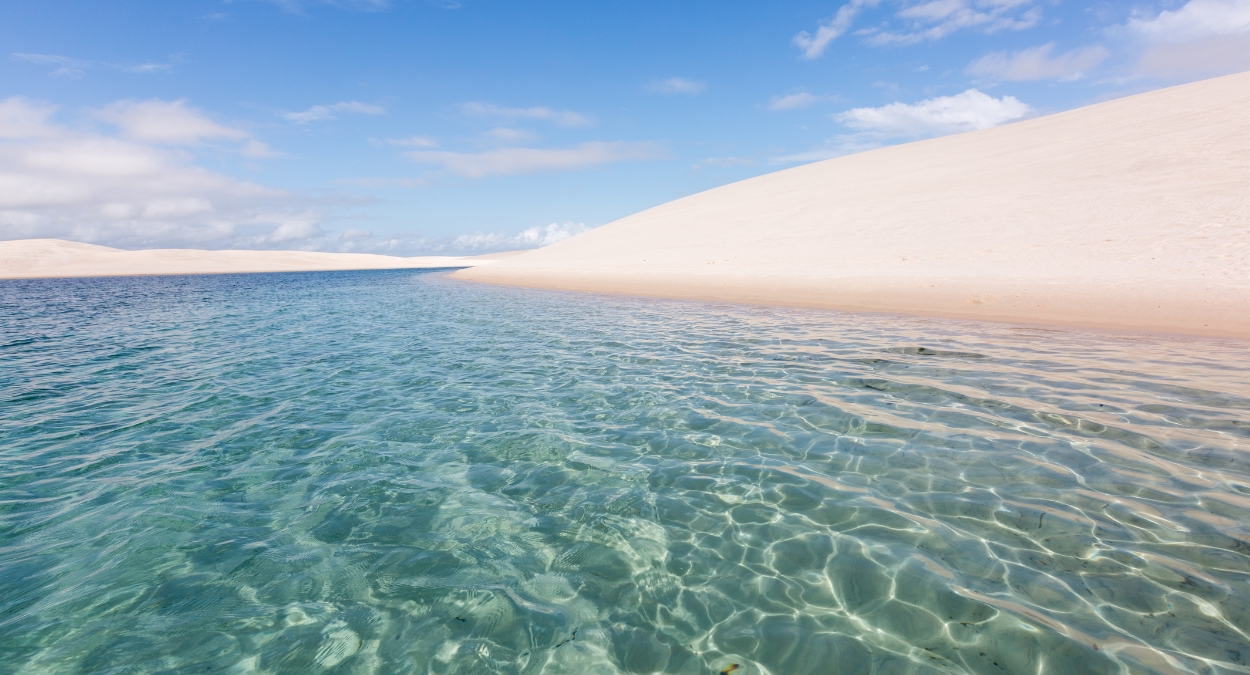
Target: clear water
[[392, 472]]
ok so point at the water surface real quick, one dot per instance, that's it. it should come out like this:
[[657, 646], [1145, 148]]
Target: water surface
[[391, 472]]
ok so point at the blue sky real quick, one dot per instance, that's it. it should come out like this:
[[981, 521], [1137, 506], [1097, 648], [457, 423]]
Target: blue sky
[[423, 126]]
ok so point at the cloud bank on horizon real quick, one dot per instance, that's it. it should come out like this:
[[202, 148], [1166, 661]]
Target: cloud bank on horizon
[[445, 126], [138, 186]]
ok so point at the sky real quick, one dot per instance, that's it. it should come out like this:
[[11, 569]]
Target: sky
[[466, 126]]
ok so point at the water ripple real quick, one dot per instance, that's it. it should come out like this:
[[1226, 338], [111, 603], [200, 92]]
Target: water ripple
[[389, 472]]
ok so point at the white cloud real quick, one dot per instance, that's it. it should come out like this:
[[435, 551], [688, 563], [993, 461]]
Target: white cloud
[[258, 149], [968, 111], [813, 46], [131, 191], [510, 135], [1202, 37], [295, 228], [1196, 20], [21, 118], [1037, 63], [318, 113], [533, 237], [802, 99], [563, 118], [510, 161], [167, 122], [678, 85]]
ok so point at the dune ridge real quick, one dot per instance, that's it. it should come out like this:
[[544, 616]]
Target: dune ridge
[[1128, 214], [38, 258]]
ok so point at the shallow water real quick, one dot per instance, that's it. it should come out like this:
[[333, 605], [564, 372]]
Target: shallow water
[[392, 472]]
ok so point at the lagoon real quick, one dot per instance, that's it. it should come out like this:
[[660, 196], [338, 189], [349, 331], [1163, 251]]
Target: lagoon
[[395, 472]]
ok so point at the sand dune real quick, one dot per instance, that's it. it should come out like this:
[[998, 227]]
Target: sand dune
[[33, 258], [1134, 214]]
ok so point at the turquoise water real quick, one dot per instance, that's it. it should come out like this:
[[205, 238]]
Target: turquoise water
[[392, 472]]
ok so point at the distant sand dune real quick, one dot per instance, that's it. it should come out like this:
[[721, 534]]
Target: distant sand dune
[[1133, 214], [33, 258]]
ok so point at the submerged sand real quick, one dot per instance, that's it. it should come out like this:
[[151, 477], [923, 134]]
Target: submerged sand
[[34, 258], [1130, 214]]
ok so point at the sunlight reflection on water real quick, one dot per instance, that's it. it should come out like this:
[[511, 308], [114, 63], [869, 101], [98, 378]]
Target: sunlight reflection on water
[[391, 472]]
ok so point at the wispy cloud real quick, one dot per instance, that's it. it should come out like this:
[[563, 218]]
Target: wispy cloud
[[920, 21], [533, 237], [511, 161], [678, 85], [1202, 37], [143, 68], [297, 6], [362, 240], [410, 142], [724, 162], [968, 111], [386, 182], [1038, 63], [817, 154], [838, 146], [813, 46], [65, 66], [319, 113], [937, 19], [563, 118], [798, 100], [129, 190]]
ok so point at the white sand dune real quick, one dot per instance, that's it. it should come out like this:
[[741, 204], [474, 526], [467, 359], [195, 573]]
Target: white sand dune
[[1132, 214], [33, 258]]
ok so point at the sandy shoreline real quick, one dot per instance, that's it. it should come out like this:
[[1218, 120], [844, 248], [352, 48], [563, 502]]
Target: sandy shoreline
[[1210, 311], [1130, 214], [49, 258]]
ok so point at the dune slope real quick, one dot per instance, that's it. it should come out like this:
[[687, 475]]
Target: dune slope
[[33, 258], [1133, 213]]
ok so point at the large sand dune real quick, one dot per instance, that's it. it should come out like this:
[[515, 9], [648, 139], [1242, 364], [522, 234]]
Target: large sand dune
[[1134, 213], [33, 258]]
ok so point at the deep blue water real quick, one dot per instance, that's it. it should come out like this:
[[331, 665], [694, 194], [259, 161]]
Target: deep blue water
[[393, 472]]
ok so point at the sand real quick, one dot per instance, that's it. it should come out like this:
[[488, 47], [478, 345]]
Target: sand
[[34, 258], [1129, 214]]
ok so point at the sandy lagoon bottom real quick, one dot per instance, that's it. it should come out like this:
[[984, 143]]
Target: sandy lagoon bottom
[[392, 472]]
